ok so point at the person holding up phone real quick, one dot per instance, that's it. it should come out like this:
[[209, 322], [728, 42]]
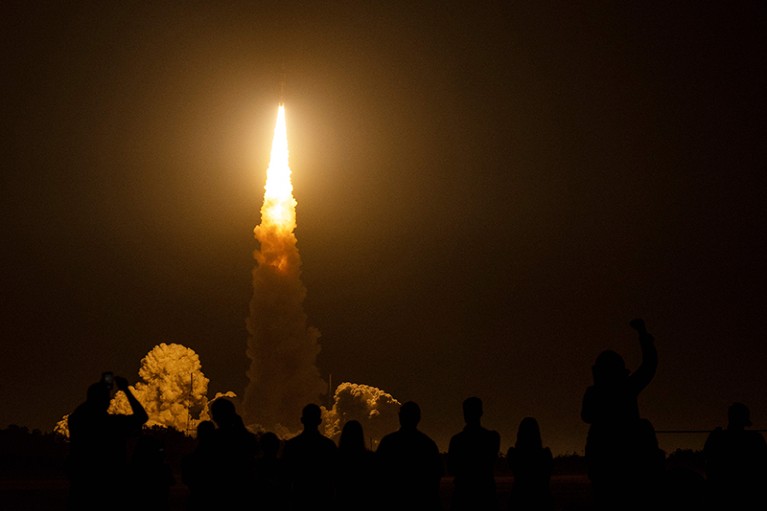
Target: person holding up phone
[[98, 455]]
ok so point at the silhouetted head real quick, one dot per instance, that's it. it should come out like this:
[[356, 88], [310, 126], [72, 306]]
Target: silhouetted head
[[738, 416], [270, 444], [352, 437], [529, 434], [205, 430], [99, 396], [608, 368], [223, 412], [472, 410], [409, 415], [311, 416]]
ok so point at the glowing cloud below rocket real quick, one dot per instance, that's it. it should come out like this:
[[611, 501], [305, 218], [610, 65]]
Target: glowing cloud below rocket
[[281, 346]]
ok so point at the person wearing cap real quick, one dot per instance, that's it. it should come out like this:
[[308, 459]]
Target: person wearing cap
[[736, 463]]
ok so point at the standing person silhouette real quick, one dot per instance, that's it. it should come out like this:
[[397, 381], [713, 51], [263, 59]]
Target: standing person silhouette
[[411, 467], [736, 463], [198, 466], [99, 441], [310, 460], [624, 463], [471, 459], [150, 475], [357, 477], [531, 464], [235, 449], [269, 492]]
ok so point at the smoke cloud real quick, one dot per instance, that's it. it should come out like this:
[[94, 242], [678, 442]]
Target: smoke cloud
[[282, 347], [172, 389], [375, 409]]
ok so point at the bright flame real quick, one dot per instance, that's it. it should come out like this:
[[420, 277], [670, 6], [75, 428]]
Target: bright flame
[[283, 375], [279, 208], [282, 347]]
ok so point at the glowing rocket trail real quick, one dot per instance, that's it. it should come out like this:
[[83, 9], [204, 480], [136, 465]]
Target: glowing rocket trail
[[283, 375]]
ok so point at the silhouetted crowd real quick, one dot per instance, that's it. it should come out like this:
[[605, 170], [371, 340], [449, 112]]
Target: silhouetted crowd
[[231, 467]]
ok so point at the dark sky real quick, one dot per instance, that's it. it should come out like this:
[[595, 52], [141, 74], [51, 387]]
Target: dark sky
[[487, 193]]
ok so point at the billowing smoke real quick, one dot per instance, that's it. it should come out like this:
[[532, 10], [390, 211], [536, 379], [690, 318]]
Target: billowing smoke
[[172, 389], [375, 409], [282, 347]]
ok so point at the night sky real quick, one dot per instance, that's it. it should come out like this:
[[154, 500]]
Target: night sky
[[487, 193]]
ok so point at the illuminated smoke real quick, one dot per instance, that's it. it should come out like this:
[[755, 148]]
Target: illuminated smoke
[[172, 389], [375, 409], [282, 347]]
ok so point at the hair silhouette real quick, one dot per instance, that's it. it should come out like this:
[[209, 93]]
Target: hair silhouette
[[531, 464], [357, 476]]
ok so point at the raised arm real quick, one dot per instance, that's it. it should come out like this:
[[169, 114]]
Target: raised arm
[[646, 370], [139, 413]]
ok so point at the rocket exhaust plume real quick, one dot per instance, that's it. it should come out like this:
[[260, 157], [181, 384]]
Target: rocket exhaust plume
[[282, 347]]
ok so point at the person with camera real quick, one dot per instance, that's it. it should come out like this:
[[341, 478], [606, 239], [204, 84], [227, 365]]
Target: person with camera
[[98, 445], [624, 462]]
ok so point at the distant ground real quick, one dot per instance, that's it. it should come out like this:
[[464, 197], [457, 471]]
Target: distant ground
[[571, 493]]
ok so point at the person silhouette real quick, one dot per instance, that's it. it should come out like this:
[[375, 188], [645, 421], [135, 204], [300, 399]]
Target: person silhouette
[[471, 458], [736, 463], [235, 449], [310, 460], [99, 443], [624, 463], [150, 475], [270, 490], [410, 464], [197, 468], [531, 464], [357, 476]]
